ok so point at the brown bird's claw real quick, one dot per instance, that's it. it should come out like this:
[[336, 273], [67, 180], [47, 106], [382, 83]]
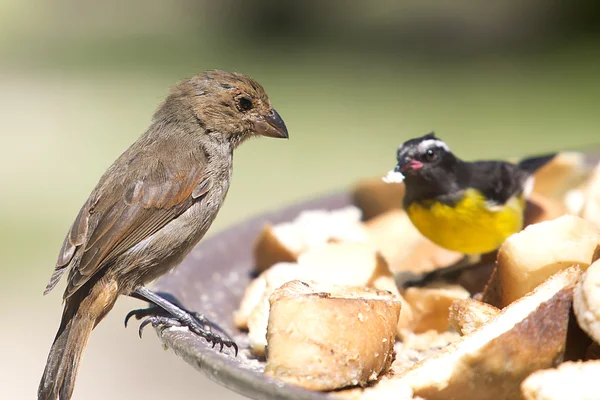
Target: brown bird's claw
[[195, 322], [144, 312], [164, 314], [157, 311], [156, 321]]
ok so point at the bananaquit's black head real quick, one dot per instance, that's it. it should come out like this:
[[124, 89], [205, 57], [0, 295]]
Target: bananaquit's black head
[[429, 168], [422, 157]]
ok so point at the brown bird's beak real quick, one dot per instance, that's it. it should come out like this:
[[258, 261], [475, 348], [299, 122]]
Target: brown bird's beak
[[271, 125]]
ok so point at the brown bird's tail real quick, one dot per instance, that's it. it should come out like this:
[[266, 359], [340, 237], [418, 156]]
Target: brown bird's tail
[[78, 320]]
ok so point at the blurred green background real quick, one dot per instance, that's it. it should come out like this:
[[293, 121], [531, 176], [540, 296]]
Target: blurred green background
[[79, 81]]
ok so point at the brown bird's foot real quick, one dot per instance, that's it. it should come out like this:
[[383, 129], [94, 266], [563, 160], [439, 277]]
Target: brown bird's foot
[[165, 314], [155, 311]]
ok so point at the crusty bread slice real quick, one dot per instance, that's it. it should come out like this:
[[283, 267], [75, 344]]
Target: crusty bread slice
[[586, 302], [541, 208], [385, 389], [374, 197], [563, 172], [348, 264], [325, 337], [354, 264], [529, 257], [345, 264], [492, 361], [271, 249], [255, 304], [467, 315], [285, 242], [430, 305], [570, 381]]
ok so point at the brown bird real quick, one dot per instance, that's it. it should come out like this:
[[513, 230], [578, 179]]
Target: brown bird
[[150, 208]]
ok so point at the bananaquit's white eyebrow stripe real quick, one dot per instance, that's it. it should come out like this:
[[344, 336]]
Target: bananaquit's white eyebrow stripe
[[431, 143]]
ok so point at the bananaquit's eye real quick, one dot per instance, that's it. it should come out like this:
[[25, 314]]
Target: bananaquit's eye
[[430, 155], [244, 104]]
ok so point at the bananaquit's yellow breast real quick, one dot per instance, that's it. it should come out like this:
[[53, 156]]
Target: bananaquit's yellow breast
[[471, 226]]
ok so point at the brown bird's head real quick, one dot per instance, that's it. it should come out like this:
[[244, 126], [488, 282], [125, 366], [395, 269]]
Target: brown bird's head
[[229, 106]]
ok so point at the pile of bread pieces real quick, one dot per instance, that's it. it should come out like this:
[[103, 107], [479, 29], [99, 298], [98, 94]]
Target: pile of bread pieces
[[330, 310]]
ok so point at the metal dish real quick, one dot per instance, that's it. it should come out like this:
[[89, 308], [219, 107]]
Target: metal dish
[[212, 280]]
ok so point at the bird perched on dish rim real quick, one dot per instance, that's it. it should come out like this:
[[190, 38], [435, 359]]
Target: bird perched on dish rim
[[469, 207], [148, 211]]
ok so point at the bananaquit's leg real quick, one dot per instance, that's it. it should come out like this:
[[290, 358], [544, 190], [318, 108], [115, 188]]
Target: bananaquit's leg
[[166, 314]]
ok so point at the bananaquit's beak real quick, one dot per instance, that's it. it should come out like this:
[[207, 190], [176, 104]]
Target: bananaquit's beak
[[408, 164], [271, 125]]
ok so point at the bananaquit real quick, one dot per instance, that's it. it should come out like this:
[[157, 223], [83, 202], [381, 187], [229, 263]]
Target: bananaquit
[[470, 207]]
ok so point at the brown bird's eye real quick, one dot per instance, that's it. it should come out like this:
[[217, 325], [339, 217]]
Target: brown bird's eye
[[430, 155], [245, 104]]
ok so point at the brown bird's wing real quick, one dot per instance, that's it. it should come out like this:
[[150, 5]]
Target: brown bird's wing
[[111, 223]]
